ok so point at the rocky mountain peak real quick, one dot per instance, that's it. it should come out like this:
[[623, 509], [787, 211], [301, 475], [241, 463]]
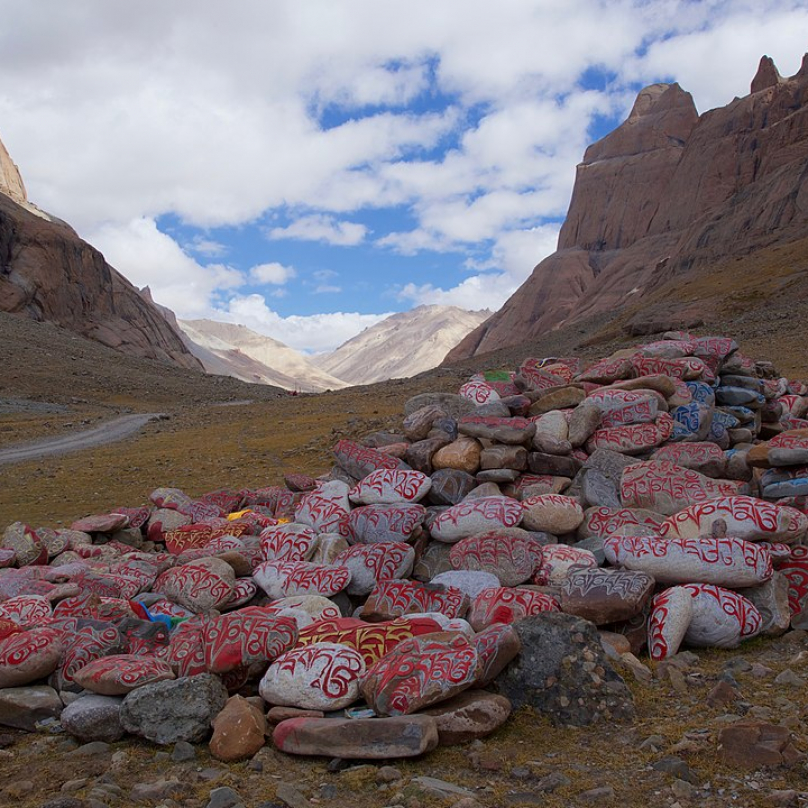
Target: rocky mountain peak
[[668, 194], [11, 183]]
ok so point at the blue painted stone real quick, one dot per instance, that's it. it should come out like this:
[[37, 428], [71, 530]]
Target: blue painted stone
[[702, 393], [787, 488], [691, 421], [739, 396]]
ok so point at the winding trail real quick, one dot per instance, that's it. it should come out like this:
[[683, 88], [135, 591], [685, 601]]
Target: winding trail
[[108, 432]]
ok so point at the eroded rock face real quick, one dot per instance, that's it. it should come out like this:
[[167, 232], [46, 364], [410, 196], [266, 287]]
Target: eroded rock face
[[665, 193], [47, 273]]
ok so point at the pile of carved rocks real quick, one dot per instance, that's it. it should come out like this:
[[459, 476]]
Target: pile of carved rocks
[[514, 536]]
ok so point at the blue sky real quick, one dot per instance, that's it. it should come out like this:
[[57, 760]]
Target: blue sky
[[306, 168]]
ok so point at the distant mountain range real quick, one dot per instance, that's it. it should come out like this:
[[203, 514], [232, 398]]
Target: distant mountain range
[[399, 346]]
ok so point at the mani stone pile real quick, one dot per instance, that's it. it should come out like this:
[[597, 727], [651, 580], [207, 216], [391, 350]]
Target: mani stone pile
[[504, 548]]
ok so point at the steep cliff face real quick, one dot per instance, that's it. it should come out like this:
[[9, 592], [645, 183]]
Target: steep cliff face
[[47, 273], [664, 196]]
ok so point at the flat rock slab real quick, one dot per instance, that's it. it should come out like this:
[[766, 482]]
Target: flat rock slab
[[358, 738]]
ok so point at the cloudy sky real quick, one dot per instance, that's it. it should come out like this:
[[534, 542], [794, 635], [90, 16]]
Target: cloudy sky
[[306, 167]]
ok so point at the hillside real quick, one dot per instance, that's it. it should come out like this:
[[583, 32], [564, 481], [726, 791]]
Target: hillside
[[401, 345], [237, 351]]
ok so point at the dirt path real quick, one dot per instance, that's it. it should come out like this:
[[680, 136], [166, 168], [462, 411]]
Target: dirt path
[[109, 432]]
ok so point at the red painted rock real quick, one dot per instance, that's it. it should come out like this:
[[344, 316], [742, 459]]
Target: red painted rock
[[395, 598], [723, 561], [357, 738], [26, 656], [686, 369], [604, 522], [288, 542], [281, 579], [101, 523], [512, 555], [702, 456], [721, 618], [420, 672], [371, 563], [120, 674], [606, 596], [370, 524], [187, 537], [496, 646], [244, 591], [624, 407], [390, 487], [304, 609], [371, 640], [479, 392], [789, 448], [91, 640], [746, 518], [359, 461], [632, 439], [199, 586], [321, 676], [607, 370], [186, 648], [671, 612], [245, 637], [25, 544], [27, 610], [507, 605], [666, 488], [559, 561], [552, 513], [326, 509], [476, 516]]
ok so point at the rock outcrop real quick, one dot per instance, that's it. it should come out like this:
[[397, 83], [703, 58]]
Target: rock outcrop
[[48, 273], [662, 199]]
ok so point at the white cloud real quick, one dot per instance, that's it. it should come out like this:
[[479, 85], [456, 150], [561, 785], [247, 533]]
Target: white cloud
[[273, 273], [319, 227], [120, 113], [513, 257], [149, 257], [327, 289], [315, 333]]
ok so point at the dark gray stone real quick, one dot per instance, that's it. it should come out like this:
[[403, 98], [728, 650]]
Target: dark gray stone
[[598, 489], [450, 486], [94, 718], [562, 671], [23, 707], [178, 710], [451, 403], [223, 797]]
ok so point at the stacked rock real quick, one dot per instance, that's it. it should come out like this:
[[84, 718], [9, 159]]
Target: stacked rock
[[634, 494]]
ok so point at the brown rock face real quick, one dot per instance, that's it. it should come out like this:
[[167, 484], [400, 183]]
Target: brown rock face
[[666, 196], [47, 273]]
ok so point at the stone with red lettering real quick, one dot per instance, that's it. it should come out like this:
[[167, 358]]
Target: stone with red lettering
[[371, 563], [281, 579], [721, 618], [26, 656], [508, 605], [246, 637], [724, 561], [559, 561], [476, 516], [745, 517], [632, 439], [552, 513], [288, 542], [359, 461], [119, 674], [391, 487], [304, 609], [606, 596], [664, 487], [320, 676], [395, 598], [512, 555], [24, 543], [370, 524], [420, 672], [325, 509], [199, 586]]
